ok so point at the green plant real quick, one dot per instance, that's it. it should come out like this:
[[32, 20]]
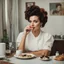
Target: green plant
[[5, 38]]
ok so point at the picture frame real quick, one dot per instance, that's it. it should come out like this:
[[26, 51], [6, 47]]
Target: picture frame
[[28, 4], [57, 8]]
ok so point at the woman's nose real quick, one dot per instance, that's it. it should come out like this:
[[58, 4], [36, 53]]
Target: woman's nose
[[32, 24]]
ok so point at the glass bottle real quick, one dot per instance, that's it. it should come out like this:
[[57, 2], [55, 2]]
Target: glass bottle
[[57, 53]]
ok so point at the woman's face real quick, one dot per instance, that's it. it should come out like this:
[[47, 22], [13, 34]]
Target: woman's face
[[35, 23], [59, 8]]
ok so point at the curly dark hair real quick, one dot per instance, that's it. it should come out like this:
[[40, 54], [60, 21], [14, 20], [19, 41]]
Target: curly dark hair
[[37, 11], [58, 4]]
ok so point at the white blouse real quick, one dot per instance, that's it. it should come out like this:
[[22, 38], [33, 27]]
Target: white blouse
[[32, 43]]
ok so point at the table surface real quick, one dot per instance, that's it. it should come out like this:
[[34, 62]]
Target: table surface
[[33, 61]]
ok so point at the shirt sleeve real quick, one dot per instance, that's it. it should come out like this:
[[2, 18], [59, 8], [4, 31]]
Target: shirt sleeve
[[18, 40], [48, 42]]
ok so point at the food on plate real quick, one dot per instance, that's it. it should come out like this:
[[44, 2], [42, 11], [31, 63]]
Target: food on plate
[[60, 57], [45, 58], [26, 56]]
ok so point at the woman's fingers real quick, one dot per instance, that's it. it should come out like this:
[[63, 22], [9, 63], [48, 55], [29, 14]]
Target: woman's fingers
[[28, 29], [45, 53]]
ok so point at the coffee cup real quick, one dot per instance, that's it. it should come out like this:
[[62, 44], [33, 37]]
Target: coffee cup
[[18, 52], [2, 49]]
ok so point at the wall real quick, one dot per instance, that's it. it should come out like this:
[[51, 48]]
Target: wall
[[54, 25]]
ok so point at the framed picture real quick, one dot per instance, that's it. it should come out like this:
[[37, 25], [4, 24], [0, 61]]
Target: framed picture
[[28, 4], [57, 8]]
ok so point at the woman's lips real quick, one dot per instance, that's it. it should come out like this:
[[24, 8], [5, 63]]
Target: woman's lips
[[32, 27]]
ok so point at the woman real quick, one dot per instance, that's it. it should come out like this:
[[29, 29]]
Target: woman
[[33, 39], [59, 10]]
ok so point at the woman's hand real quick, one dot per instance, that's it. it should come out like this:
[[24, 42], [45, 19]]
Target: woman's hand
[[28, 29], [45, 53]]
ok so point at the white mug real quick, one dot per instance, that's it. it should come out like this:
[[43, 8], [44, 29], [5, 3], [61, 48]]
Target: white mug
[[18, 52], [2, 49]]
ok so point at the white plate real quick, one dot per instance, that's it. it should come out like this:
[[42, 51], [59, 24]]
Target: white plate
[[28, 56]]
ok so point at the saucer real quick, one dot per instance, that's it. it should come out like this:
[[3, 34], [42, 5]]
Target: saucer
[[45, 58]]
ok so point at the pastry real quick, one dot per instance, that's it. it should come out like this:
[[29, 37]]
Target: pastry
[[60, 57], [25, 56]]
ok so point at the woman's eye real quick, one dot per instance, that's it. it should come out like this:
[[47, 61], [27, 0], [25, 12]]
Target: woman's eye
[[35, 21], [30, 21]]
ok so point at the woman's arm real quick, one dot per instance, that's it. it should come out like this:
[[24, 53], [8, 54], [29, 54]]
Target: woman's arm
[[41, 52], [22, 43]]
